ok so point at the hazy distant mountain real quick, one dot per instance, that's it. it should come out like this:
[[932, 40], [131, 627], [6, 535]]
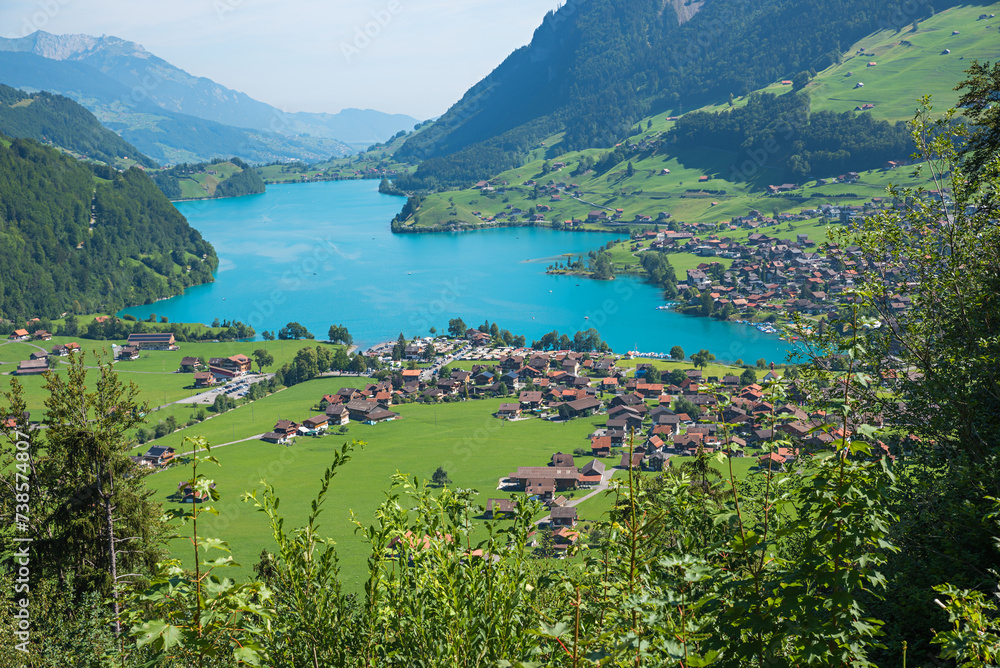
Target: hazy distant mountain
[[148, 77], [166, 136]]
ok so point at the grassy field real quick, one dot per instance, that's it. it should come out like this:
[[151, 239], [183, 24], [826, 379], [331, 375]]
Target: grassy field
[[463, 437], [202, 184], [910, 64], [712, 369], [154, 372], [474, 447]]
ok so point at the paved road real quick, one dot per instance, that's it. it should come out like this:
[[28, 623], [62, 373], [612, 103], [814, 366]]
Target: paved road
[[605, 480]]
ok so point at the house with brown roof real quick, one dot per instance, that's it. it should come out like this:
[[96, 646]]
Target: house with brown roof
[[286, 427], [380, 415], [153, 341], [584, 407], [509, 411], [359, 409], [592, 473], [337, 414], [600, 446], [315, 425], [530, 400], [32, 367], [189, 364], [237, 365], [562, 460], [204, 379], [559, 478], [633, 461], [563, 517], [497, 508]]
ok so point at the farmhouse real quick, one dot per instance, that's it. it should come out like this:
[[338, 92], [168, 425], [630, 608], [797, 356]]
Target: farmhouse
[[315, 425], [496, 508], [337, 414], [563, 517], [544, 478], [32, 367], [204, 379], [509, 411], [153, 341], [190, 364], [158, 455]]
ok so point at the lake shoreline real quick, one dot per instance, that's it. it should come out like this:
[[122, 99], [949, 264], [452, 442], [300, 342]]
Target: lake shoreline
[[319, 254]]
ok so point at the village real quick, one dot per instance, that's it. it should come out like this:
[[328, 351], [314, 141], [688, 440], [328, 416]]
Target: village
[[649, 419], [767, 277]]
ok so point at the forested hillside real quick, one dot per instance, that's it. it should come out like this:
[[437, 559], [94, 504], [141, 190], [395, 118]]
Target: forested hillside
[[58, 120], [53, 259], [593, 69], [822, 142], [218, 178]]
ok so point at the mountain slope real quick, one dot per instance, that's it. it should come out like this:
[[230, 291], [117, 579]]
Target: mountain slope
[[219, 178], [593, 69], [171, 88], [58, 256], [58, 120], [165, 136]]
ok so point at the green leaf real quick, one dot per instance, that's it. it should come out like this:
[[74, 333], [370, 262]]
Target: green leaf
[[247, 654], [159, 631]]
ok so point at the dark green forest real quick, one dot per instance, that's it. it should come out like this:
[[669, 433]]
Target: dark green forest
[[594, 68], [45, 117], [781, 128], [140, 248]]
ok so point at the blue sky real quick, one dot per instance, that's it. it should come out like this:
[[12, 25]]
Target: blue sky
[[400, 56]]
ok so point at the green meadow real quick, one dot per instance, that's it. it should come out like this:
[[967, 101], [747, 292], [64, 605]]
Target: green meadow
[[155, 372], [475, 448]]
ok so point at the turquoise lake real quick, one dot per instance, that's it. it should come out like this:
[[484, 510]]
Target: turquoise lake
[[323, 254]]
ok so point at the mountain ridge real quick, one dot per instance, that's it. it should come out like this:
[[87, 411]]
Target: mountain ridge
[[593, 69], [148, 77]]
